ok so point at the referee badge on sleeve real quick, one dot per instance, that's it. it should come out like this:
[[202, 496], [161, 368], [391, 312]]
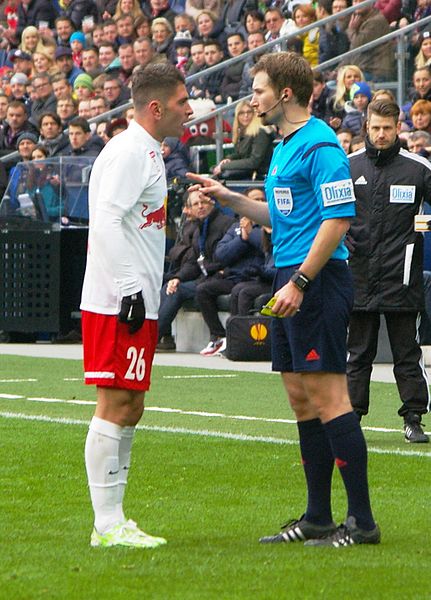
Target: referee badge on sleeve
[[337, 192], [283, 200]]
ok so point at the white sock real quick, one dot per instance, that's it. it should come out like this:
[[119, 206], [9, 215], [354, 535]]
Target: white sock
[[102, 464], [124, 466]]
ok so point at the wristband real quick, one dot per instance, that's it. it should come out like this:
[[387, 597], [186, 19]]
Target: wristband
[[301, 281]]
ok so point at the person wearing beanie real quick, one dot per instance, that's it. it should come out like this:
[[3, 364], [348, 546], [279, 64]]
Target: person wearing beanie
[[83, 86], [18, 89], [356, 109], [423, 57], [26, 142], [360, 87], [182, 45], [77, 44]]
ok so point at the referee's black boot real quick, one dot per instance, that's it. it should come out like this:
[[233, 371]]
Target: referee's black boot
[[299, 530], [413, 431]]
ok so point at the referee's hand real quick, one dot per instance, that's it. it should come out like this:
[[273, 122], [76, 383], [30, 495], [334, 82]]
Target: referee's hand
[[289, 299], [132, 312]]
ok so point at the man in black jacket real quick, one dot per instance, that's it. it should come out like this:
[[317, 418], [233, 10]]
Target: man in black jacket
[[199, 263], [34, 12], [16, 123], [45, 99], [82, 143], [391, 185]]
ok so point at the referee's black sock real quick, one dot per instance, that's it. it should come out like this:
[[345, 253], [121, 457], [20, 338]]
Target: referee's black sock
[[350, 453], [318, 463]]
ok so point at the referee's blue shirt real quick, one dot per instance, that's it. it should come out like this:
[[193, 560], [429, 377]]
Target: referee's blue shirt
[[308, 181]]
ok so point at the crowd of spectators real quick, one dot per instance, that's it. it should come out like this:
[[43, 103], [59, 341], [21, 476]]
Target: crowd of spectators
[[63, 62], [75, 58]]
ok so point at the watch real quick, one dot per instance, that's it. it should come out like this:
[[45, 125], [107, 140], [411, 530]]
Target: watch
[[301, 281]]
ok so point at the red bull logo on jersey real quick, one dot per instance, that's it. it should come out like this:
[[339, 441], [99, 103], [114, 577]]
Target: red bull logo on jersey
[[337, 192], [156, 217]]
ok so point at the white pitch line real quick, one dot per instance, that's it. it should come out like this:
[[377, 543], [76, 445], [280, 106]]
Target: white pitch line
[[17, 380], [203, 433], [61, 401], [226, 376], [194, 413]]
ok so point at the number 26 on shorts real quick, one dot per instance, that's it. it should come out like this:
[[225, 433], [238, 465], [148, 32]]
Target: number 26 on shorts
[[136, 370]]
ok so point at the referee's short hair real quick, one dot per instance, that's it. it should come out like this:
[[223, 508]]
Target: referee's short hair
[[288, 69], [154, 82], [384, 108]]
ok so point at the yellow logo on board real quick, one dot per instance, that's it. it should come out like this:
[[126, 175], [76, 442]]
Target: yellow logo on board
[[258, 332]]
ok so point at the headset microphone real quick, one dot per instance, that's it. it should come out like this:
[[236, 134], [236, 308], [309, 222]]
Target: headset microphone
[[263, 114]]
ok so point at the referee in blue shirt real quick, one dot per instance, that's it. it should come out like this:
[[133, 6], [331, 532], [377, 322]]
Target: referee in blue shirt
[[310, 204]]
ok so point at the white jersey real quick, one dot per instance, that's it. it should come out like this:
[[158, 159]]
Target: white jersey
[[126, 242]]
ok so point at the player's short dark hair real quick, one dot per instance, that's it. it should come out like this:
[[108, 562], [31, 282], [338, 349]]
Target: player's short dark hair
[[384, 108], [81, 123], [288, 69], [154, 82]]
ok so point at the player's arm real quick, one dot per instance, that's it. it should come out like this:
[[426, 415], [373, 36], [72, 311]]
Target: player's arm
[[253, 209], [329, 235]]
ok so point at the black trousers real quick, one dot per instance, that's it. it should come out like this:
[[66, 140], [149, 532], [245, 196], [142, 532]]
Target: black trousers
[[409, 369], [244, 294], [206, 297]]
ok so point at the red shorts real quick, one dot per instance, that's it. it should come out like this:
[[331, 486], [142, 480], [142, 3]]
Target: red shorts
[[115, 358]]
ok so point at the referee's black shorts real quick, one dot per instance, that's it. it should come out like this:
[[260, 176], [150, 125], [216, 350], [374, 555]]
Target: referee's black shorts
[[315, 338]]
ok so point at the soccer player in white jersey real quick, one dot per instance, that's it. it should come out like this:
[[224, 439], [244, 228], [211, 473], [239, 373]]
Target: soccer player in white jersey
[[121, 291]]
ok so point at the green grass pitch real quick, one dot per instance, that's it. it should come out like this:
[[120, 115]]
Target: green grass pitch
[[215, 466]]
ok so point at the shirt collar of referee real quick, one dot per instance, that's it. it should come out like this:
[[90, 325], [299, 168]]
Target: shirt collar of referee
[[290, 136]]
